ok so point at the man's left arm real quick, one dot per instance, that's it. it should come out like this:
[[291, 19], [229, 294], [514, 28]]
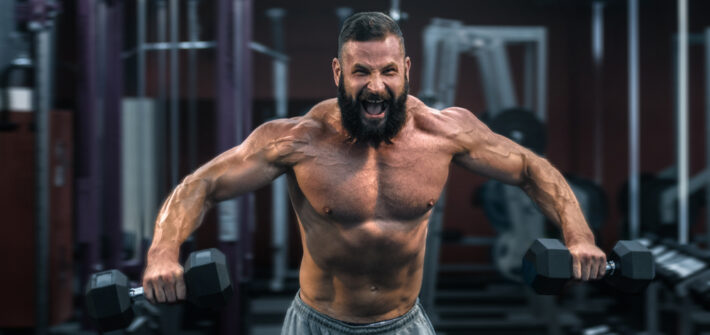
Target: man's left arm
[[495, 156]]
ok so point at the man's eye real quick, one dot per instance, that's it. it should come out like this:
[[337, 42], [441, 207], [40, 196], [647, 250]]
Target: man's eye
[[389, 71]]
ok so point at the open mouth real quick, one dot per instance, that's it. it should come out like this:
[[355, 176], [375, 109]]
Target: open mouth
[[374, 108]]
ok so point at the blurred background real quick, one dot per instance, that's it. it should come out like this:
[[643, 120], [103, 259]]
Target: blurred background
[[105, 105]]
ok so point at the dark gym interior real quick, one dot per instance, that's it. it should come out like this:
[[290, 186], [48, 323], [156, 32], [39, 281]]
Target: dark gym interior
[[107, 105]]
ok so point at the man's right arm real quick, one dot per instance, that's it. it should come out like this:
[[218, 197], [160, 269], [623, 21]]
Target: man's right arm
[[263, 156]]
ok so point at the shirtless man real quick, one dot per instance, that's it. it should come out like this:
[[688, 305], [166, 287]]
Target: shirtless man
[[364, 172]]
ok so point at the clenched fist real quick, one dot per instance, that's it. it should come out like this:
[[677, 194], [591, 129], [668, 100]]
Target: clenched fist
[[163, 280], [588, 261]]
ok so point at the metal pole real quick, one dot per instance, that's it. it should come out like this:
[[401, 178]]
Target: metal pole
[[162, 96], [174, 96], [112, 94], [395, 12], [342, 13], [140, 56], [651, 309], [682, 121], [193, 31], [634, 156], [42, 102], [489, 81], [542, 75], [140, 92], [226, 104], [428, 90], [707, 135], [279, 196], [88, 148], [243, 10], [529, 76], [504, 83], [598, 56]]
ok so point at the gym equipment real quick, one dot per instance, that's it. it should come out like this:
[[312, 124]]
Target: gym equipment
[[547, 266], [444, 42], [109, 300], [525, 224], [522, 126], [518, 221], [700, 289], [684, 271], [658, 202]]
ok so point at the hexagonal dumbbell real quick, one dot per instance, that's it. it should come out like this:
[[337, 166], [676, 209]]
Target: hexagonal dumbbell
[[547, 266], [109, 299]]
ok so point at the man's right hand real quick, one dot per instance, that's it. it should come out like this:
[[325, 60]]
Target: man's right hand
[[163, 281]]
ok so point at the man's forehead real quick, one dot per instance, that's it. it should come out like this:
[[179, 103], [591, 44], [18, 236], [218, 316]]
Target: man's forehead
[[373, 52]]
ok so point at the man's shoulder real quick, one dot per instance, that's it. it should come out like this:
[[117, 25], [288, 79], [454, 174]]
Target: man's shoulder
[[299, 128], [446, 121]]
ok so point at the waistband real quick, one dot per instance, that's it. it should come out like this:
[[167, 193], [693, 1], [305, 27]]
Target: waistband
[[313, 315]]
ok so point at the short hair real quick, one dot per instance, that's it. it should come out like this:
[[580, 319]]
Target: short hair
[[368, 26]]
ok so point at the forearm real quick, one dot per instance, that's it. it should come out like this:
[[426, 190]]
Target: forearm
[[550, 191], [180, 215]]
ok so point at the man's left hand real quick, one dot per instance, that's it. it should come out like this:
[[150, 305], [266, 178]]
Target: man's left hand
[[588, 261]]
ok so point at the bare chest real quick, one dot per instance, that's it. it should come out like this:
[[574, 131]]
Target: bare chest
[[397, 183]]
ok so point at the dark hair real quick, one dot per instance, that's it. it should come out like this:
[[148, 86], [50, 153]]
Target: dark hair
[[368, 26]]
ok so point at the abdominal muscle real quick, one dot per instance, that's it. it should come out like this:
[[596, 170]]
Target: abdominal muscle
[[365, 272]]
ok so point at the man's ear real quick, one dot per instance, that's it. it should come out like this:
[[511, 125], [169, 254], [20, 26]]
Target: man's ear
[[336, 70], [407, 65]]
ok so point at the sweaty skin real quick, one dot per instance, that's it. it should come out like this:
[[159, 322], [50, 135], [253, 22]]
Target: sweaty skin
[[363, 210]]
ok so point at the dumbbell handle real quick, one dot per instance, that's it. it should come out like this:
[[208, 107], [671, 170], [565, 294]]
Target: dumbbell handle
[[610, 268], [135, 292]]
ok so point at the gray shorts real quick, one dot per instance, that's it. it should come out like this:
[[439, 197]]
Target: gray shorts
[[302, 319]]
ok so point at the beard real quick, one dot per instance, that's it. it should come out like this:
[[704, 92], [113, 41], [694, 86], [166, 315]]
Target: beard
[[372, 132]]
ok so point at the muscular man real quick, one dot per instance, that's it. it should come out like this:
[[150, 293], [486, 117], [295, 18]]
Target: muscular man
[[364, 172]]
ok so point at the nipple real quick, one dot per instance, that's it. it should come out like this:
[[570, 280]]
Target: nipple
[[430, 203], [327, 210]]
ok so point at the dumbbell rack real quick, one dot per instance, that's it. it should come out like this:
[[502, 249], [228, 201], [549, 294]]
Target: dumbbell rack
[[682, 269]]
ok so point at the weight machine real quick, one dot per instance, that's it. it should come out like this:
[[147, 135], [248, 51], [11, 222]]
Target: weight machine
[[444, 42]]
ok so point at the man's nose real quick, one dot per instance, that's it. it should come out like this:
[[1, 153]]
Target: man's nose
[[376, 85]]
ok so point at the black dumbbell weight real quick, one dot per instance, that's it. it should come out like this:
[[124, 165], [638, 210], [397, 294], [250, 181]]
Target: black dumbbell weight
[[109, 299], [547, 266]]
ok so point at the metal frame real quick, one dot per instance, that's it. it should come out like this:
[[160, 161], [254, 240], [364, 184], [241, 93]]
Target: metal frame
[[174, 96], [682, 124], [707, 131], [634, 152], [39, 16], [88, 168], [597, 28], [444, 41], [279, 187], [43, 39], [449, 38], [701, 179]]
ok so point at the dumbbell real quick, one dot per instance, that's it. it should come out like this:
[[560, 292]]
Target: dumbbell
[[547, 266], [109, 299]]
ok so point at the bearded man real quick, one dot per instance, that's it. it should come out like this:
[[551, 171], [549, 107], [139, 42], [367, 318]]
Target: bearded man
[[364, 172]]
